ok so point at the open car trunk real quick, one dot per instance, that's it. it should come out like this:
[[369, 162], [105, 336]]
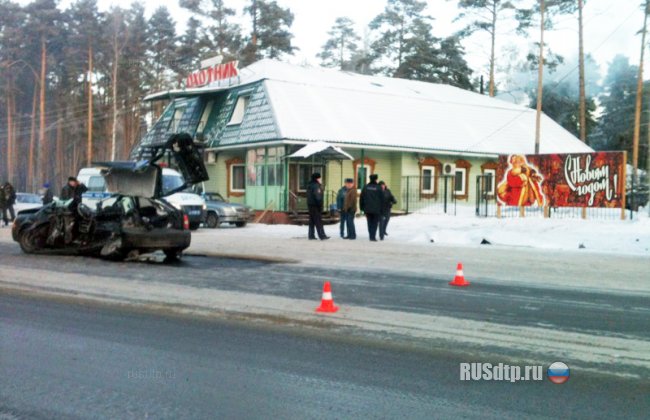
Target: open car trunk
[[144, 178]]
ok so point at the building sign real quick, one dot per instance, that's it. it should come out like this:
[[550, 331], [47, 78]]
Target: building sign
[[562, 180], [212, 74]]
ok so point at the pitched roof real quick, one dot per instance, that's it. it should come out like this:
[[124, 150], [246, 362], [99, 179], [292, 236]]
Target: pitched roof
[[319, 104]]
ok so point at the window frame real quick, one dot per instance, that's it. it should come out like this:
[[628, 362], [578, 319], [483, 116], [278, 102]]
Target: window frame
[[320, 168], [245, 99], [492, 172], [431, 190], [232, 177], [463, 191]]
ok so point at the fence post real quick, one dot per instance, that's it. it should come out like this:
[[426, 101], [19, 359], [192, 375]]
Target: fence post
[[547, 212], [584, 213], [498, 211], [445, 200], [408, 193], [478, 196], [522, 211]]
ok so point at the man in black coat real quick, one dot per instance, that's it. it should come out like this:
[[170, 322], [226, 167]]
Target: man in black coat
[[389, 200], [8, 214], [372, 204], [315, 205], [73, 190]]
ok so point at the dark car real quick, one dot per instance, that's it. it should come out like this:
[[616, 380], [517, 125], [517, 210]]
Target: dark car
[[218, 210], [135, 219]]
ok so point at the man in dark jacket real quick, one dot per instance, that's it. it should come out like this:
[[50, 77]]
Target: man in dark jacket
[[3, 205], [389, 200], [73, 191], [10, 200], [48, 197], [350, 208], [315, 206], [372, 204], [340, 199]]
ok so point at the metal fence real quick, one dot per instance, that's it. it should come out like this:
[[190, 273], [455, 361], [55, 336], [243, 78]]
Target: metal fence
[[438, 199]]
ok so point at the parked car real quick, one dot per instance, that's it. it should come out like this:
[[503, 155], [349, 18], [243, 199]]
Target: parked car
[[135, 219], [219, 210], [183, 199], [27, 201]]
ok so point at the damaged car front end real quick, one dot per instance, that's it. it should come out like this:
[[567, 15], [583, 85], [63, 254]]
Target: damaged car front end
[[135, 219]]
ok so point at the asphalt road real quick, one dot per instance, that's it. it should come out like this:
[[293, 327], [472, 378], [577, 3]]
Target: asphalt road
[[64, 360], [596, 313]]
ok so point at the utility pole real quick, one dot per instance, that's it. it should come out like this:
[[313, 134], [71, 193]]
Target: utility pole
[[581, 59], [639, 95], [89, 151], [540, 76]]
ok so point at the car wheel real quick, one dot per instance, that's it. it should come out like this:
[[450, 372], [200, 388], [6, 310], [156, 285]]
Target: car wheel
[[212, 220], [173, 254], [195, 225], [33, 240], [240, 224]]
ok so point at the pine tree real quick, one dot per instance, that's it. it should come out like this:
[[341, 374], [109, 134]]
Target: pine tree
[[484, 15], [395, 26], [221, 35], [341, 48], [271, 35], [161, 38]]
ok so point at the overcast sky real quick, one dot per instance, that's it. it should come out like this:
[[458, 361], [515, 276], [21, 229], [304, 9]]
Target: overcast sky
[[610, 27]]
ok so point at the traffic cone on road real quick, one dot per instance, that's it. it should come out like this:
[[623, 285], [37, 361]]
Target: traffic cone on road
[[327, 302], [459, 280]]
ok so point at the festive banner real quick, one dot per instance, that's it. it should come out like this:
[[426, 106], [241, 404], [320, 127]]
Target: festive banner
[[562, 180]]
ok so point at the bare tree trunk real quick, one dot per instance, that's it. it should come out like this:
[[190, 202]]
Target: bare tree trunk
[[42, 140], [581, 59], [639, 97], [116, 57], [9, 129], [540, 81], [89, 144], [492, 51], [59, 148], [32, 140]]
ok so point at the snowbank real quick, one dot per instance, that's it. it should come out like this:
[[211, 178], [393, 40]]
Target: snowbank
[[465, 229]]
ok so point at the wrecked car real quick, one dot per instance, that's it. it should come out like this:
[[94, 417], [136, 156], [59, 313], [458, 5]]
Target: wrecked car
[[135, 219]]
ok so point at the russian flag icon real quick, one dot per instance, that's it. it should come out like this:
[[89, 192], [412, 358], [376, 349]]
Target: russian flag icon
[[558, 373]]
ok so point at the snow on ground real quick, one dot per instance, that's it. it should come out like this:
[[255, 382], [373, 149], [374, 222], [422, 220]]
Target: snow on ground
[[465, 229]]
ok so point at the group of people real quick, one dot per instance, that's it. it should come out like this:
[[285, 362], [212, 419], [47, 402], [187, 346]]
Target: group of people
[[7, 201], [375, 201]]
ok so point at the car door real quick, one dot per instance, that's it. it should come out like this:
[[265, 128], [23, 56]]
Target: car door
[[188, 158]]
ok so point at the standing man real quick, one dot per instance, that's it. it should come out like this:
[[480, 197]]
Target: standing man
[[350, 208], [389, 200], [10, 200], [3, 205], [315, 205], [340, 199], [372, 203], [48, 197]]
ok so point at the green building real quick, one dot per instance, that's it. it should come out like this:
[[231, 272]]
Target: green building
[[428, 142]]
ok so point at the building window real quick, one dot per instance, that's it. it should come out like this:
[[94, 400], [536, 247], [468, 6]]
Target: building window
[[304, 175], [459, 181], [240, 110], [238, 177], [489, 181], [207, 111], [255, 167], [428, 179], [236, 172], [176, 119]]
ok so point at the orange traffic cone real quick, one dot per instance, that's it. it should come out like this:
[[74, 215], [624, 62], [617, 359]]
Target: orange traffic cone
[[459, 280], [327, 303]]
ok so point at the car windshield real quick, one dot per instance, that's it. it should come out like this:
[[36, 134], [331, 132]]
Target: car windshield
[[171, 182], [214, 197], [28, 198]]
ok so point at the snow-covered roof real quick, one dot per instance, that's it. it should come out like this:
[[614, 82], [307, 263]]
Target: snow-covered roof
[[323, 149], [319, 104]]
